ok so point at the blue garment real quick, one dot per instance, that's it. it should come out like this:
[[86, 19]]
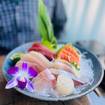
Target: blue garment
[[18, 20]]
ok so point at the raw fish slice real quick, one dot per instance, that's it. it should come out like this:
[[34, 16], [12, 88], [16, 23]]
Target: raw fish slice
[[76, 80], [69, 53], [54, 71], [65, 84], [43, 50], [41, 57], [33, 59], [44, 82], [78, 83], [59, 64]]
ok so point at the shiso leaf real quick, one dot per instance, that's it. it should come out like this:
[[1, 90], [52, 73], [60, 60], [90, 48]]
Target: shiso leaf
[[45, 27]]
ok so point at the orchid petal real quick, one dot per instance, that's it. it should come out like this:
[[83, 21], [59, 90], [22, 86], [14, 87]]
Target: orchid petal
[[32, 72], [22, 84], [12, 83], [12, 71], [24, 66], [29, 86]]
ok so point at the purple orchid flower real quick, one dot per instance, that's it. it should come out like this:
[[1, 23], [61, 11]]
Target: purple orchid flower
[[21, 77]]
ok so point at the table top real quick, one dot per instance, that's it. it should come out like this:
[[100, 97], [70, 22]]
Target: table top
[[12, 97]]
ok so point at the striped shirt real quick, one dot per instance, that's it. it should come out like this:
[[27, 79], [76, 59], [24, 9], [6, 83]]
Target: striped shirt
[[18, 21]]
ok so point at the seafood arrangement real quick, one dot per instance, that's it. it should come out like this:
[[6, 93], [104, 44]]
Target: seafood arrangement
[[50, 72], [47, 68]]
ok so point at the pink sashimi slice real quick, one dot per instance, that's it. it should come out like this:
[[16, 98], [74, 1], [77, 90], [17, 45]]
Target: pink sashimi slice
[[44, 82], [57, 64], [36, 61], [40, 57], [78, 83], [43, 50]]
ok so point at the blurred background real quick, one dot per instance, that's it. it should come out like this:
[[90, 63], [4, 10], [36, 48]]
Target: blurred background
[[85, 20]]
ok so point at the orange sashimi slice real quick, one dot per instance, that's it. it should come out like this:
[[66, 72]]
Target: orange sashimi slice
[[69, 54]]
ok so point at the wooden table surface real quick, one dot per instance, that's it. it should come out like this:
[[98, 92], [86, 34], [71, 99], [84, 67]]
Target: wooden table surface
[[12, 97]]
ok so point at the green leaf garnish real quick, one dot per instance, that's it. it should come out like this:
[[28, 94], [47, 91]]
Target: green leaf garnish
[[45, 27], [16, 57], [76, 65]]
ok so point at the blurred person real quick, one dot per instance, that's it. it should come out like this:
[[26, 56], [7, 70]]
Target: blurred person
[[18, 21]]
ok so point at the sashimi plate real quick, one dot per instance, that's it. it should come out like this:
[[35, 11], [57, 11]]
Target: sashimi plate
[[96, 69]]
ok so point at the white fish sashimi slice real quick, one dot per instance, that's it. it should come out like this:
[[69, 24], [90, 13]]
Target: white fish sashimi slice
[[68, 74], [59, 64], [54, 71], [77, 81], [65, 85], [44, 83]]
